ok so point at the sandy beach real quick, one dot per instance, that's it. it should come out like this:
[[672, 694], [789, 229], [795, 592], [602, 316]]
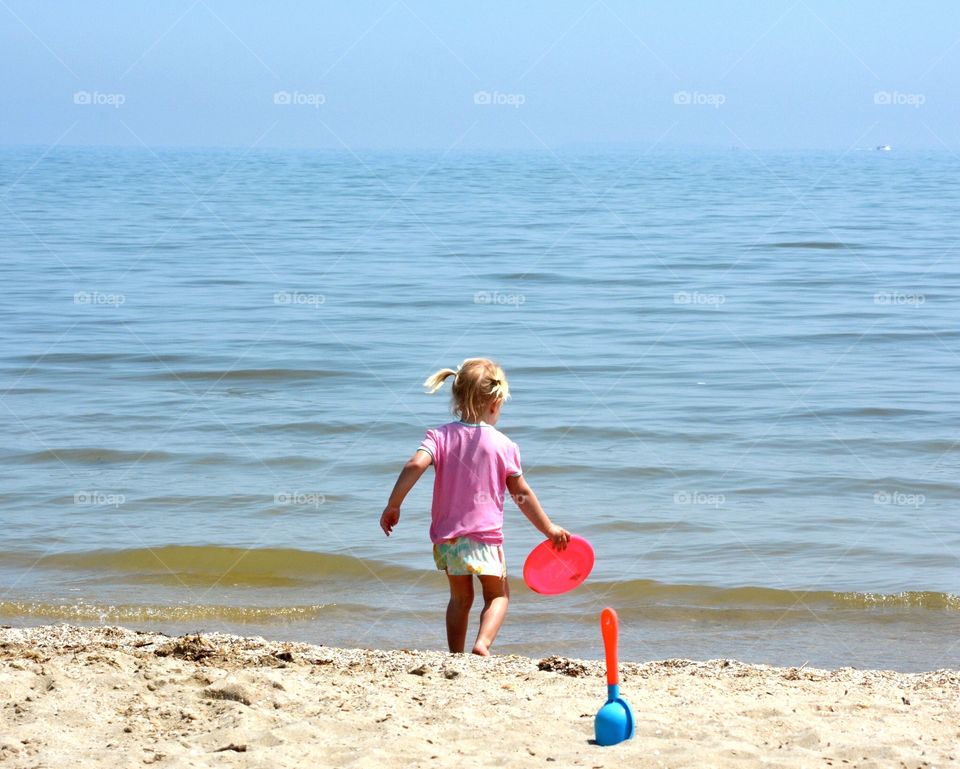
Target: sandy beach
[[111, 696]]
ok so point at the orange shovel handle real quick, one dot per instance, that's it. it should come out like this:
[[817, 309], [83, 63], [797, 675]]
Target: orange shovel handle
[[609, 628]]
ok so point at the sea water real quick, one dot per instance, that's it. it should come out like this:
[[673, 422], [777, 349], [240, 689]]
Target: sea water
[[735, 373]]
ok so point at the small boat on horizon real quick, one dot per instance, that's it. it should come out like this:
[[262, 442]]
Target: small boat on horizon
[[883, 148]]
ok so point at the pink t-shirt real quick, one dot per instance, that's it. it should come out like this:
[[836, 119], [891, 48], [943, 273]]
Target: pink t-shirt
[[472, 463]]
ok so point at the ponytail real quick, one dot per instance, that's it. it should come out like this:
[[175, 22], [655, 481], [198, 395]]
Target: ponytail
[[479, 382], [435, 381]]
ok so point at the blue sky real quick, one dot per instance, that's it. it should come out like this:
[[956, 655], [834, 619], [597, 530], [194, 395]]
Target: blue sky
[[431, 74]]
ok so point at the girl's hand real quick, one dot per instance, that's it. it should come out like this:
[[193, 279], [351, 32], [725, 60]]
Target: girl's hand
[[389, 519], [559, 536]]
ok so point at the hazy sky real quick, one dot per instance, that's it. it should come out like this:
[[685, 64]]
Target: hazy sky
[[442, 74]]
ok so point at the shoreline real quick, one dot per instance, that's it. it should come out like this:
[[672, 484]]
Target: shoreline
[[113, 696]]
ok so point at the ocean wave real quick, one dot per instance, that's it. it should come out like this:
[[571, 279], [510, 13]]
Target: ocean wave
[[860, 412], [208, 565], [750, 597], [332, 428], [91, 455], [623, 472], [649, 527], [243, 375], [82, 611], [589, 433], [104, 357], [338, 574], [826, 245]]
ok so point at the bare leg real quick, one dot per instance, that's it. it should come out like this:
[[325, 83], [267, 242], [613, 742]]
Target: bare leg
[[458, 611], [496, 596]]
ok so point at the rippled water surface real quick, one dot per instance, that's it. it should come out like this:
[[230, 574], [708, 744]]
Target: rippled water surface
[[736, 374]]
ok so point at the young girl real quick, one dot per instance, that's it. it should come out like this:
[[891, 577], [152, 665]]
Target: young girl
[[473, 462]]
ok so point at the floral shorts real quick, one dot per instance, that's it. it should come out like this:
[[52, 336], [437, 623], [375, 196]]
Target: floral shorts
[[464, 556]]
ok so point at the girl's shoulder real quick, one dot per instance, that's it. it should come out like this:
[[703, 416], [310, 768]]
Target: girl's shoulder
[[442, 430], [500, 437], [489, 430]]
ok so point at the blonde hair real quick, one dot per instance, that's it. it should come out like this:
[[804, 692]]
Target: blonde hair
[[478, 384]]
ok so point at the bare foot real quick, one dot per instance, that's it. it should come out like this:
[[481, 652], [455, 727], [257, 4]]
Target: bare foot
[[480, 648]]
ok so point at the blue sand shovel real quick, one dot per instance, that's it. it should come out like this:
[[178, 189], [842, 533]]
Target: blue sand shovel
[[614, 722]]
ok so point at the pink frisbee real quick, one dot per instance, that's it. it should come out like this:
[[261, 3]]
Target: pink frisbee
[[550, 571]]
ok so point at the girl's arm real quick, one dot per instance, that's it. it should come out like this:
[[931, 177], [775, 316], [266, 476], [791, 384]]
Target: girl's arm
[[530, 506], [408, 477]]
